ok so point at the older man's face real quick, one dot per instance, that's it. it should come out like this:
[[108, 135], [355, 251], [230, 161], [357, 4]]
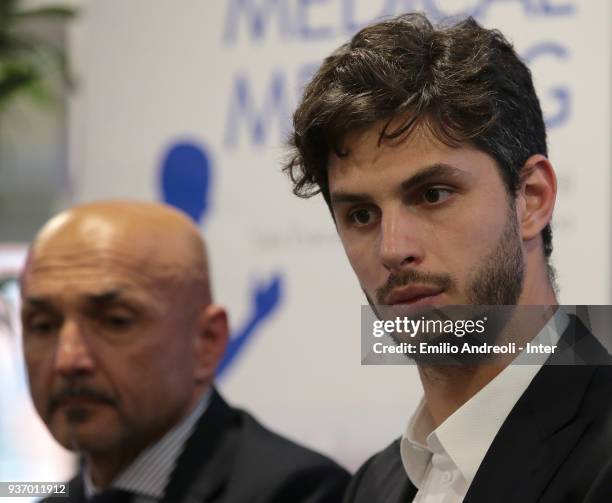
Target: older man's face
[[424, 223], [108, 338]]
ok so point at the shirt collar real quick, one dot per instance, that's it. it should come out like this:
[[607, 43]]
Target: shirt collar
[[150, 472], [468, 433]]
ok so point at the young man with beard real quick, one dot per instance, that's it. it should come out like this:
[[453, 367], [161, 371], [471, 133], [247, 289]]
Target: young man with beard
[[429, 147]]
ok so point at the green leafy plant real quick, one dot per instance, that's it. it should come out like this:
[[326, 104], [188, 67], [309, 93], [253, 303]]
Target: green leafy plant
[[25, 58]]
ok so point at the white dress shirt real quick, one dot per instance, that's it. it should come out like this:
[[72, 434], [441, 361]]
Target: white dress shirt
[[147, 476], [442, 462]]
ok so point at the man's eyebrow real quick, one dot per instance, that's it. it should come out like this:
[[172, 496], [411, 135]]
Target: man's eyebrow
[[37, 302], [430, 172], [424, 175], [340, 197], [105, 297]]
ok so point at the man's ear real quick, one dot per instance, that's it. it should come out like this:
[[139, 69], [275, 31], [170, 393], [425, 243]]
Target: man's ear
[[211, 340], [536, 196]]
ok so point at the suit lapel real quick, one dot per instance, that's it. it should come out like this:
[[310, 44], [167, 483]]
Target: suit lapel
[[203, 467], [542, 428], [391, 484]]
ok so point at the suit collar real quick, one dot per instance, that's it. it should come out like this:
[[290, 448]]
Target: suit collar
[[149, 473], [208, 454], [211, 439], [466, 435]]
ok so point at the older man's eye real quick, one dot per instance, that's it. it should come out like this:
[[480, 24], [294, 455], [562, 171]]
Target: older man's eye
[[118, 322], [362, 216], [435, 195], [41, 326]]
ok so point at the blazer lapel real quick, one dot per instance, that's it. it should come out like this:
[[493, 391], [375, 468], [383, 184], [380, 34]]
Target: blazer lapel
[[542, 428], [203, 466], [392, 484]]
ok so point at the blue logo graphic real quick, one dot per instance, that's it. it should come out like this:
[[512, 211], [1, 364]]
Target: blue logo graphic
[[265, 299], [185, 181]]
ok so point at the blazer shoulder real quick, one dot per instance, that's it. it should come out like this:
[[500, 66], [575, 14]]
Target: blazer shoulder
[[284, 469], [281, 453]]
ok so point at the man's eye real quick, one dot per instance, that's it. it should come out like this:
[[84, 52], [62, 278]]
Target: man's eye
[[41, 326], [362, 217], [118, 322], [435, 195]]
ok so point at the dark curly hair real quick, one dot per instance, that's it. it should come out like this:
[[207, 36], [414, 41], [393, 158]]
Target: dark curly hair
[[463, 82]]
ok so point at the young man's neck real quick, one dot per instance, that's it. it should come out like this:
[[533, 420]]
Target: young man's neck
[[448, 387]]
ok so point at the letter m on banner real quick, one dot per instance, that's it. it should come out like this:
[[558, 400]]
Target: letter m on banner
[[243, 110]]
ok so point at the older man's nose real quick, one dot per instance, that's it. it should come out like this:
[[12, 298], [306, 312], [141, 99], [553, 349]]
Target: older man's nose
[[72, 355]]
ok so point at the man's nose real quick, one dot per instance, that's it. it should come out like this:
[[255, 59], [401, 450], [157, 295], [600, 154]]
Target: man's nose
[[401, 240], [73, 355]]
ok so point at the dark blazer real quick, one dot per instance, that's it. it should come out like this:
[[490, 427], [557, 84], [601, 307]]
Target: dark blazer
[[231, 458], [551, 448], [601, 491]]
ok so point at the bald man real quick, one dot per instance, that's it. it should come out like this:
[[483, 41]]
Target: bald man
[[121, 341]]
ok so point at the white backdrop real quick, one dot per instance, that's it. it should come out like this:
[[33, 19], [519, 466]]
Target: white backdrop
[[27, 451], [222, 77]]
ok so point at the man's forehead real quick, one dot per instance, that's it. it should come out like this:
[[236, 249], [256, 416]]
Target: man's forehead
[[381, 164], [98, 245], [57, 291], [94, 271], [368, 143], [87, 279], [419, 146], [151, 246], [99, 238], [38, 295], [78, 257]]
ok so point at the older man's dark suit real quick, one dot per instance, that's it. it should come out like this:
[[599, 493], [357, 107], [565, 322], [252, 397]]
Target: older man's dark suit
[[551, 448], [231, 458]]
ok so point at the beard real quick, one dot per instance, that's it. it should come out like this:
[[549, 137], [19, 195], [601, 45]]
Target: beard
[[497, 282]]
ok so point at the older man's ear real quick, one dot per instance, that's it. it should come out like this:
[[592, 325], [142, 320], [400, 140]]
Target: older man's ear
[[211, 341]]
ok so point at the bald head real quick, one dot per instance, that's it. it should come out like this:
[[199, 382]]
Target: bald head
[[155, 240]]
